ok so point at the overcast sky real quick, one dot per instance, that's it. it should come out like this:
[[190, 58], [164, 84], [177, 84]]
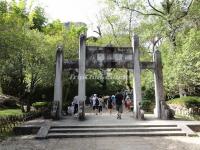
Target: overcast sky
[[72, 10]]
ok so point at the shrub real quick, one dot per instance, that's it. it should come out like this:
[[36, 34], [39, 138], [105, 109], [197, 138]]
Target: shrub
[[8, 101], [188, 102], [149, 94], [146, 105], [39, 105]]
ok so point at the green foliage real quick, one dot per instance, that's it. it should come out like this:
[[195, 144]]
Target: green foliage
[[9, 112], [114, 80], [38, 19], [28, 43], [27, 50], [188, 102], [9, 103], [176, 25], [146, 105], [39, 105]]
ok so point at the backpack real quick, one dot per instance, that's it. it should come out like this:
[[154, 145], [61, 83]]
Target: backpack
[[96, 102]]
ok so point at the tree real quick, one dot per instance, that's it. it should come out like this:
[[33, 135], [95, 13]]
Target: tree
[[167, 27], [38, 18]]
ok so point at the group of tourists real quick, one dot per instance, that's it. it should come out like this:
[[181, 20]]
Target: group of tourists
[[99, 102], [72, 109], [114, 101]]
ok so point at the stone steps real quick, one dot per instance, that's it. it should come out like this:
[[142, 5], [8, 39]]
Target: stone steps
[[113, 130], [112, 134], [144, 129], [114, 126]]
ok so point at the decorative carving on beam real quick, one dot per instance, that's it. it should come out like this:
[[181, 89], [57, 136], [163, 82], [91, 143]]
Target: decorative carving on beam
[[106, 57], [70, 64], [109, 57], [109, 64]]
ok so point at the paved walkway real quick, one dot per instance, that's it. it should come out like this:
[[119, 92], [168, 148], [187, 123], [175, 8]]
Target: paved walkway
[[106, 119], [104, 143]]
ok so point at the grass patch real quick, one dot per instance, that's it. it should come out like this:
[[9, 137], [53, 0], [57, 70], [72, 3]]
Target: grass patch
[[8, 112]]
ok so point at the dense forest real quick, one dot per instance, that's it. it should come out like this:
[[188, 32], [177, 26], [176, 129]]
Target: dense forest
[[28, 42]]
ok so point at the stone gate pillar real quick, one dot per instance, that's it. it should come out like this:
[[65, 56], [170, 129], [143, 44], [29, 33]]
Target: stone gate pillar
[[58, 84], [158, 80], [137, 77], [81, 76]]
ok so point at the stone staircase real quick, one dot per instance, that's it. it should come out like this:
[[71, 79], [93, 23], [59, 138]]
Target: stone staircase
[[109, 130]]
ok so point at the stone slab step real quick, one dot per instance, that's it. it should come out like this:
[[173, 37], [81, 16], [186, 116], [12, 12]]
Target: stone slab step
[[26, 129], [141, 129], [43, 132], [113, 134], [114, 126]]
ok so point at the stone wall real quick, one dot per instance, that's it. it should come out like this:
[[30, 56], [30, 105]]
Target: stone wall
[[182, 110]]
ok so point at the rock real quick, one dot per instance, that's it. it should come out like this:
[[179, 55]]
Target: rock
[[7, 101]]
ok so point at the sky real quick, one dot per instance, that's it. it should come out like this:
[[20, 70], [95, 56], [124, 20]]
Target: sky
[[72, 10]]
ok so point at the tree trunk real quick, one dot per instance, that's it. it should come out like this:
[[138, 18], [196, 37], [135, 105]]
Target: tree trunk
[[28, 106], [21, 93], [22, 106]]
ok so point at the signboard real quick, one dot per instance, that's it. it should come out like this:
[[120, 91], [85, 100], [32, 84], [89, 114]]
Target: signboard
[[109, 57]]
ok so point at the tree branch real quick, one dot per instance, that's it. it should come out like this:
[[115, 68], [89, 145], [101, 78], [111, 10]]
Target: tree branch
[[113, 29], [99, 31], [155, 8], [186, 12], [111, 25], [137, 11], [142, 13]]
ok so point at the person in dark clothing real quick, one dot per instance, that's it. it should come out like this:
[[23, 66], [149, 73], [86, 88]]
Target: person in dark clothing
[[119, 104], [75, 104], [110, 105], [100, 104], [96, 105]]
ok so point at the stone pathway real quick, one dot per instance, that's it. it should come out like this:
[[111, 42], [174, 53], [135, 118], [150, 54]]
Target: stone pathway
[[106, 143]]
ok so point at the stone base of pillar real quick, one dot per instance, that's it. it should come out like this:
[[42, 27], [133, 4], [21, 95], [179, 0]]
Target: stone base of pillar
[[156, 113], [81, 114], [166, 113], [139, 114], [56, 111]]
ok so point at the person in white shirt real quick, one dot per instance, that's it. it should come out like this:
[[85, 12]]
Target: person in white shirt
[[75, 104], [94, 101]]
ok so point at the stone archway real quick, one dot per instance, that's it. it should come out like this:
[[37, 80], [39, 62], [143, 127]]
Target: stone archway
[[111, 57]]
